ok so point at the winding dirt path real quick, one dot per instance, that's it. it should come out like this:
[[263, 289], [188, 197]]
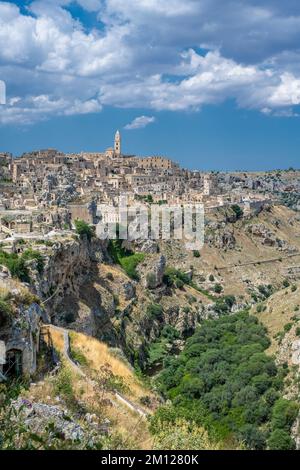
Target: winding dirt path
[[259, 261], [78, 370]]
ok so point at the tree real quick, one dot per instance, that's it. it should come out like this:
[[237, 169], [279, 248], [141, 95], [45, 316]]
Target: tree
[[238, 211], [280, 440], [284, 414], [218, 288], [253, 438], [83, 229]]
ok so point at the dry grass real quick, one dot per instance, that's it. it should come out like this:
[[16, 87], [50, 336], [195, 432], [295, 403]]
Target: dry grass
[[280, 308], [57, 338], [98, 355], [124, 422]]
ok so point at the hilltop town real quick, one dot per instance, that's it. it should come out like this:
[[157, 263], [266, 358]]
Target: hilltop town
[[45, 190], [94, 328]]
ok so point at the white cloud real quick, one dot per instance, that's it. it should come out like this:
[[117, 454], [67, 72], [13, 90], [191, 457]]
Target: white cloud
[[146, 54], [140, 122], [214, 79], [2, 92], [287, 93], [38, 108]]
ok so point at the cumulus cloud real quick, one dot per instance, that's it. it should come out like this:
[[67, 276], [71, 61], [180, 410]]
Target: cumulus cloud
[[140, 122], [151, 54], [2, 92]]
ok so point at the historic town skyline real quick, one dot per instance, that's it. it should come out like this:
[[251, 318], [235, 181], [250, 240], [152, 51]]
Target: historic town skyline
[[223, 94]]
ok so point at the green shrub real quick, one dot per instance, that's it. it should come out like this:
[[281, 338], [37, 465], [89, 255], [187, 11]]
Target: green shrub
[[16, 263], [63, 386], [151, 280], [30, 254], [196, 254], [126, 259], [280, 440], [83, 229], [238, 211], [284, 414], [286, 283], [287, 327], [218, 288], [175, 277], [154, 311], [130, 263], [79, 357]]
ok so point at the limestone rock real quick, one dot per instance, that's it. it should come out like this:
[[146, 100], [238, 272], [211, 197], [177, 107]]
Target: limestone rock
[[4, 272], [296, 352], [154, 278], [38, 415], [129, 290]]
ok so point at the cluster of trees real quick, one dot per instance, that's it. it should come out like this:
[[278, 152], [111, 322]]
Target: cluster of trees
[[224, 380], [160, 348]]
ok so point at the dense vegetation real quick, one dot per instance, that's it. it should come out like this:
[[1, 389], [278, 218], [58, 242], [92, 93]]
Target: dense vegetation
[[126, 259], [16, 263], [224, 381], [160, 348]]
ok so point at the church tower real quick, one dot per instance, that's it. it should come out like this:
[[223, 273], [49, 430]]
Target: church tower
[[118, 144]]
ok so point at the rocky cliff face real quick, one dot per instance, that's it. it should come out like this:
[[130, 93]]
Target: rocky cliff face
[[21, 319], [81, 289], [67, 267]]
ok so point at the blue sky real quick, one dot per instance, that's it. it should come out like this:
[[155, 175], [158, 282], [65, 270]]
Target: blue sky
[[211, 84]]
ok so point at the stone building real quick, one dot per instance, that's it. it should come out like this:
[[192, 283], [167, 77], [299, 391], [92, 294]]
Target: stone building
[[158, 163], [209, 185], [118, 144]]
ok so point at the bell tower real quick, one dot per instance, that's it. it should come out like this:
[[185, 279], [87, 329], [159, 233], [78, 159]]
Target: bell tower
[[118, 144]]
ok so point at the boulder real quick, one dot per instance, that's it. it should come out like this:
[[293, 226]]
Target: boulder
[[154, 278]]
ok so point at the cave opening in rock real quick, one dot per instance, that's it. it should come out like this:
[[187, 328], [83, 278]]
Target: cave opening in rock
[[13, 365]]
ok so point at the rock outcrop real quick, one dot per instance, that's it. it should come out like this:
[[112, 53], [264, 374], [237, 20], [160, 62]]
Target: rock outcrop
[[20, 335], [154, 278]]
